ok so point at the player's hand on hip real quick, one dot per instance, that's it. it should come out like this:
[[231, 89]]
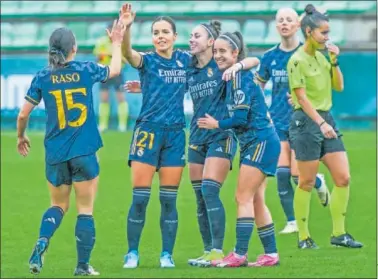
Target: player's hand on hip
[[207, 122], [127, 15], [132, 86], [23, 145], [328, 131]]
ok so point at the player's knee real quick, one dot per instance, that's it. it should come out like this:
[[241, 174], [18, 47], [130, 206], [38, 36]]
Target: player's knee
[[105, 97], [120, 97], [307, 183], [343, 180], [243, 198]]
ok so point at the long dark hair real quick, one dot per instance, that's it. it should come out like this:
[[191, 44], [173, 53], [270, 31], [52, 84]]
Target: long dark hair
[[61, 43], [312, 19]]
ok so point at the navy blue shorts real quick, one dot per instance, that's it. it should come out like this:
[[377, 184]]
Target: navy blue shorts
[[77, 169], [223, 148], [263, 155], [158, 147]]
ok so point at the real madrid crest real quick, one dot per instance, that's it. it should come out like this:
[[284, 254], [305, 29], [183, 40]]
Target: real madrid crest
[[179, 64], [210, 72], [140, 151]]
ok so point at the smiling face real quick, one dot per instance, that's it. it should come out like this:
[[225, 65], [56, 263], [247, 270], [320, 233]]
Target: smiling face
[[163, 36], [287, 23], [200, 40], [224, 55]]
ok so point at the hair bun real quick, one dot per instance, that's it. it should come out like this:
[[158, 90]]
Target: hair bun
[[310, 9], [216, 24]]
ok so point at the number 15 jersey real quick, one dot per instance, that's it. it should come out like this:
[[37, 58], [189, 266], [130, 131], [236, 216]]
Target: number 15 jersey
[[71, 127]]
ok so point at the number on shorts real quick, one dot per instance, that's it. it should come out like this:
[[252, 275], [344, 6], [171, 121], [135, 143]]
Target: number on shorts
[[146, 136]]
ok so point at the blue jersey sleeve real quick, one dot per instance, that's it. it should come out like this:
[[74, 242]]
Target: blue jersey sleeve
[[239, 118], [262, 73], [99, 73], [242, 90], [34, 94], [241, 93], [145, 60]]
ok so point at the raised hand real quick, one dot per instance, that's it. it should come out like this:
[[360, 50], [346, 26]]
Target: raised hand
[[117, 32], [127, 15]]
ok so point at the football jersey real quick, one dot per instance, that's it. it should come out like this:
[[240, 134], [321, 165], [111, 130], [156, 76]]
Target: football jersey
[[244, 93], [71, 127], [206, 87], [163, 84], [273, 66]]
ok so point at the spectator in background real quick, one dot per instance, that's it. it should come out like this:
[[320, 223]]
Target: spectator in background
[[103, 52]]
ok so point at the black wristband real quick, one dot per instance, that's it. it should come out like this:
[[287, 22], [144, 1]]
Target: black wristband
[[335, 64], [322, 123]]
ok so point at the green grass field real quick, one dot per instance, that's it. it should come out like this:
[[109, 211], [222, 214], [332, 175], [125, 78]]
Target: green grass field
[[24, 198]]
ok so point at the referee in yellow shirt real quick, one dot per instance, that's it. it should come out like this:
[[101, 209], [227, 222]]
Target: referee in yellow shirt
[[103, 51], [313, 131]]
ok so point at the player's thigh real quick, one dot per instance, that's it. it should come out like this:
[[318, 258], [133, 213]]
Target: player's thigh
[[118, 88], [338, 165], [285, 155], [195, 171], [293, 164], [170, 176], [146, 145], [60, 196]]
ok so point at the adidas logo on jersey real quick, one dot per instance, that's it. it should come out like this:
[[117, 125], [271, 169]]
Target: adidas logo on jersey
[[273, 63], [248, 157], [191, 79], [219, 149]]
